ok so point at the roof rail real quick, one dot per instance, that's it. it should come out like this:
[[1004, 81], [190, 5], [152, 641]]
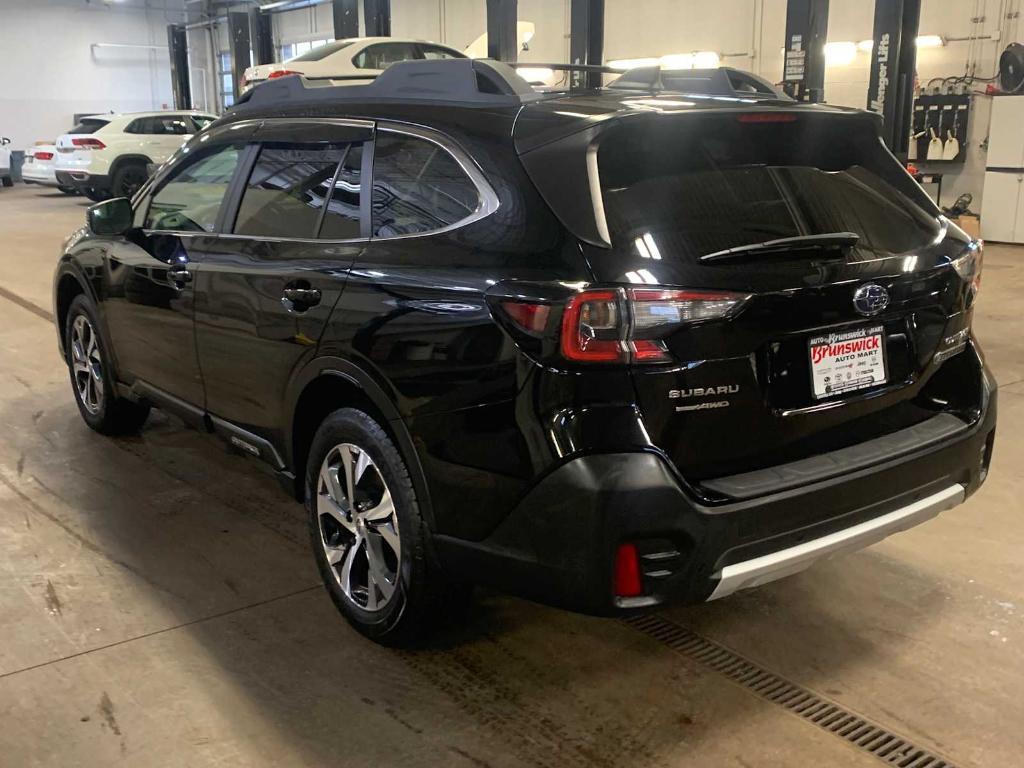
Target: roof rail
[[722, 81], [469, 82]]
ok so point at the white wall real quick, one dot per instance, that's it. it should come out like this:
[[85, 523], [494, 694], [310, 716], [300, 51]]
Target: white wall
[[56, 73]]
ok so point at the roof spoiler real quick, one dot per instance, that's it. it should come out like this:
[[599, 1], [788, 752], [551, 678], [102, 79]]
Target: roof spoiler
[[469, 82]]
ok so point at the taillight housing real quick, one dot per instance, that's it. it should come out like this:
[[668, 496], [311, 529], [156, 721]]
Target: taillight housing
[[42, 155], [88, 143], [969, 265], [282, 73], [614, 325]]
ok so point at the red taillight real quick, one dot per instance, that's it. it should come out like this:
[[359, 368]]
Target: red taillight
[[532, 318], [282, 73], [88, 144], [767, 117], [627, 572], [42, 155], [591, 328]]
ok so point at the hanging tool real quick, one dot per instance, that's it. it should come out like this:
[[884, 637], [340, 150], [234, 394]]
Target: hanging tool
[[934, 146]]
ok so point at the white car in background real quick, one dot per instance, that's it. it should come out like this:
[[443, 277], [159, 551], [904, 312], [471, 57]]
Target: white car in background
[[109, 155], [5, 163], [355, 58], [40, 167]]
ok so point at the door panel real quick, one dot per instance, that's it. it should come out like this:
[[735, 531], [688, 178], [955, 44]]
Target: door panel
[[149, 308]]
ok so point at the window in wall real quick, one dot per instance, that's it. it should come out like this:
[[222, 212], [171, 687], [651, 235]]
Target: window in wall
[[225, 81], [190, 200], [417, 187], [287, 191]]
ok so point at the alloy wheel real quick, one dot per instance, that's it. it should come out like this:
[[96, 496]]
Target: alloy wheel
[[358, 527], [86, 364]]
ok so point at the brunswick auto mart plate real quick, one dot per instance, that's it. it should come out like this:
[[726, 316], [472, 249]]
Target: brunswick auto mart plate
[[847, 361]]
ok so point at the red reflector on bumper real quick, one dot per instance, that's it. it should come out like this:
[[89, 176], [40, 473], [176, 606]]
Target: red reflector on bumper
[[627, 572]]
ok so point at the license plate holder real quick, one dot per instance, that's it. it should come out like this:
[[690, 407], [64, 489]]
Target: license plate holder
[[847, 361]]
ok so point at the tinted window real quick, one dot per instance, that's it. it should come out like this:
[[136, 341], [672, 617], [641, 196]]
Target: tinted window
[[383, 55], [201, 121], [417, 187], [190, 200], [341, 222], [701, 184], [322, 52], [287, 190], [437, 52], [88, 125], [165, 125]]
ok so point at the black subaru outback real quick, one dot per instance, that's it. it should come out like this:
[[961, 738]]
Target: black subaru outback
[[663, 340]]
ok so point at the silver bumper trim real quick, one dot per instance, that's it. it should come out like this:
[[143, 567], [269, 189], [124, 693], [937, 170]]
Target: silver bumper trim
[[785, 562]]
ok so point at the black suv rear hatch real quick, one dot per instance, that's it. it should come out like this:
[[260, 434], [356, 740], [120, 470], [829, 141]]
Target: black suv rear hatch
[[848, 303]]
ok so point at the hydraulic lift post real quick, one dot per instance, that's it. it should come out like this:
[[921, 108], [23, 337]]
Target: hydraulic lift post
[[893, 69], [803, 75]]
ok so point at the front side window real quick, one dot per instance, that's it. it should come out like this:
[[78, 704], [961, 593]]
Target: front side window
[[164, 125], [201, 121], [437, 52], [288, 189], [418, 187], [383, 55], [190, 199]]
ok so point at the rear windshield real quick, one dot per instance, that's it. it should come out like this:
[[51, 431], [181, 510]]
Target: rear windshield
[[704, 183], [89, 125], [323, 51]]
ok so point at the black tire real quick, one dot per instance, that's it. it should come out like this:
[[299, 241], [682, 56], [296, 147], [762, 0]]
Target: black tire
[[68, 190], [110, 414], [8, 181], [421, 594], [96, 195], [128, 179]]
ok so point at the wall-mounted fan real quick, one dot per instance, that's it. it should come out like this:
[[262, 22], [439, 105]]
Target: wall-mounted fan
[[1011, 69]]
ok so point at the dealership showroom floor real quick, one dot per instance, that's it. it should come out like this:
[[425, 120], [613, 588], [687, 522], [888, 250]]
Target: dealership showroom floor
[[159, 603]]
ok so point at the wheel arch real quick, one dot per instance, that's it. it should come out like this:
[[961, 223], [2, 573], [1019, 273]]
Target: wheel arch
[[68, 283], [121, 160], [330, 383]]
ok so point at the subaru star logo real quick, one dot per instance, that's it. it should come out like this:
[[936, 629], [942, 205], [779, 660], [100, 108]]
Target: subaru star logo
[[870, 299]]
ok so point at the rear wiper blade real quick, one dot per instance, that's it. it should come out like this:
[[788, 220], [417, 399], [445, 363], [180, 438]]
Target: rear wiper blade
[[799, 243]]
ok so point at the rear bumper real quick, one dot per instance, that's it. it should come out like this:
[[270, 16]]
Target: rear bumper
[[82, 180], [558, 544]]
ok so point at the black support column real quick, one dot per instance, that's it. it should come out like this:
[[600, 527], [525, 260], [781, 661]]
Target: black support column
[[346, 18], [893, 65], [261, 33], [177, 44], [502, 39], [240, 46], [378, 17], [803, 75], [586, 41]]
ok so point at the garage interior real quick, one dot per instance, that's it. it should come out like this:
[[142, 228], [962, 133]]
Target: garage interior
[[159, 606]]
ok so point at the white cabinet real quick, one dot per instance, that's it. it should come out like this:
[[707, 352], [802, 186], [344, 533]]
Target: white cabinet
[[1002, 209]]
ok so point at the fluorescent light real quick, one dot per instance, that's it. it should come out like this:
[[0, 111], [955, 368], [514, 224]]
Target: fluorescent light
[[706, 60], [693, 60], [632, 63], [930, 41], [866, 45], [840, 54], [535, 74]]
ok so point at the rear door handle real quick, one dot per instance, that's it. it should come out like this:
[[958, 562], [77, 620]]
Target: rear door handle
[[179, 274], [300, 297]]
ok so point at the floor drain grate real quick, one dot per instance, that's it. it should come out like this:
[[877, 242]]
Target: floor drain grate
[[887, 746]]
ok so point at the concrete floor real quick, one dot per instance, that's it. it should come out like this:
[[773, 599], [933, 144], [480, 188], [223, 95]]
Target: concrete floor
[[158, 607]]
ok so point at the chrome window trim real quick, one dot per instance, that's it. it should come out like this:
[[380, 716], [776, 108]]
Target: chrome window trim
[[488, 199]]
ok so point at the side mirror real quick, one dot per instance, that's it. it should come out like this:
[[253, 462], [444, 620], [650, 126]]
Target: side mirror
[[5, 141], [111, 217]]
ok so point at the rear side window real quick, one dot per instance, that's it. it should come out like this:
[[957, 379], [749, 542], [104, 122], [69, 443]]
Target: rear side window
[[418, 187], [288, 190], [701, 184], [437, 52], [383, 55], [201, 121], [88, 125], [190, 200], [165, 125], [322, 52]]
